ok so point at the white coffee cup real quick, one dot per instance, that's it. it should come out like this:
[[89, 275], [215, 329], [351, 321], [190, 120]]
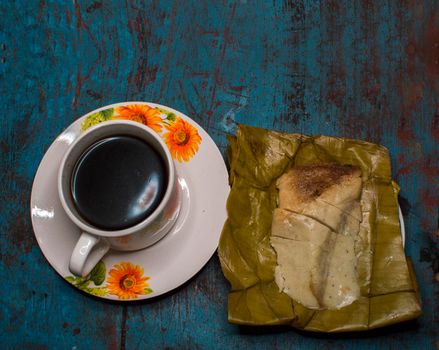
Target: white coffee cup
[[94, 242]]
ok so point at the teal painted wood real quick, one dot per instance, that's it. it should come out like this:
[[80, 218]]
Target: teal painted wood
[[363, 69]]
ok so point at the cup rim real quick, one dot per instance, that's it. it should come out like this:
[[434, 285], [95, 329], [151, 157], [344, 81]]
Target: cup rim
[[145, 222]]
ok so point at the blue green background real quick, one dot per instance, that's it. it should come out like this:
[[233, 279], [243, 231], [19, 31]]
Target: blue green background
[[362, 69]]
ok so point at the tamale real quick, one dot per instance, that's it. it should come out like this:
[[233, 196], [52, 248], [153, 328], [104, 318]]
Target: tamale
[[258, 158]]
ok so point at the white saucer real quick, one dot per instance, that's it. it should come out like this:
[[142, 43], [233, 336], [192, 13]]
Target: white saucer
[[170, 262]]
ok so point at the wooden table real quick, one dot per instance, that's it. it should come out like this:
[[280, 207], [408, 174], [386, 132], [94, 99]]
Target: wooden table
[[361, 69]]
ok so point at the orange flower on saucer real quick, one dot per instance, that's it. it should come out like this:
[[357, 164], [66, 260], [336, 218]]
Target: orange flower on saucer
[[141, 113], [182, 139], [126, 281]]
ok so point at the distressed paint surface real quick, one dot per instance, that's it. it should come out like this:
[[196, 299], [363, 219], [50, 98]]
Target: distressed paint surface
[[363, 69]]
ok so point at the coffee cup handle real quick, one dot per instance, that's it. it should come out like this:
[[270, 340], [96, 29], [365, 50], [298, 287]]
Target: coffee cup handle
[[87, 253]]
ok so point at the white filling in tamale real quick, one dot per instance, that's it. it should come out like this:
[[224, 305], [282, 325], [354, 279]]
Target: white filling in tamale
[[314, 232]]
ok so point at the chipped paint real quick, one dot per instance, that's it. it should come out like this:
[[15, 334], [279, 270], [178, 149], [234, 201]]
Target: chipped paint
[[361, 69]]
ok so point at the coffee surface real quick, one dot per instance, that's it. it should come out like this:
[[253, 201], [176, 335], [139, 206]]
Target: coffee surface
[[118, 182]]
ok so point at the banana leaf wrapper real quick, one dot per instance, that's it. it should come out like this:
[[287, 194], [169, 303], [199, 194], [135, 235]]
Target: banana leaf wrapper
[[388, 284]]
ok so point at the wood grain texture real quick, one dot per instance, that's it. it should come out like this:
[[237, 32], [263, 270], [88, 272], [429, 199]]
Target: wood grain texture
[[363, 69]]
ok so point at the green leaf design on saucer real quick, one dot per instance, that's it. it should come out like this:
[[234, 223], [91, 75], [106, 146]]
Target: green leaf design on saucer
[[91, 284], [107, 113], [99, 291], [171, 116], [97, 118], [97, 275]]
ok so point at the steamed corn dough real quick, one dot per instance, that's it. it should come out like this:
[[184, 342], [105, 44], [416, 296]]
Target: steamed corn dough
[[270, 206], [327, 193], [314, 232]]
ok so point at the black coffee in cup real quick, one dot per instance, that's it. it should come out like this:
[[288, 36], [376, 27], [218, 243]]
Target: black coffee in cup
[[118, 182]]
